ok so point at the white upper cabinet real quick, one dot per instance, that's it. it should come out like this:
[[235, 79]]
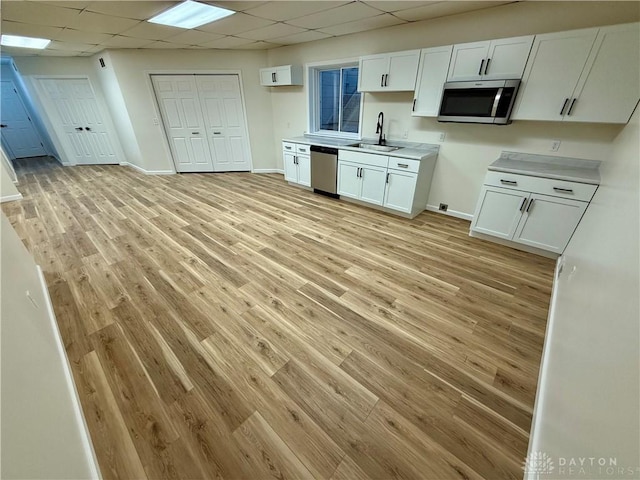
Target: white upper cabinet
[[588, 75], [281, 76], [432, 74], [389, 72], [504, 58]]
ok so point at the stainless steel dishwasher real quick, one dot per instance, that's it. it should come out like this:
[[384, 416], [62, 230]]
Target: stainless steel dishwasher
[[324, 170]]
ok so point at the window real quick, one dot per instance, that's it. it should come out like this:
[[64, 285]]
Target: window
[[334, 100]]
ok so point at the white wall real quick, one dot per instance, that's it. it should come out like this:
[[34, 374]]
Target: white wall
[[8, 190], [131, 70], [467, 149], [588, 399]]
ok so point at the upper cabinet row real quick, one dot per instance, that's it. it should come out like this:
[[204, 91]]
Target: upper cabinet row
[[588, 75]]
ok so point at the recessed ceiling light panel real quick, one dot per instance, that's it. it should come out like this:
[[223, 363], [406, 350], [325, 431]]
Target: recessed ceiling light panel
[[24, 42], [190, 14]]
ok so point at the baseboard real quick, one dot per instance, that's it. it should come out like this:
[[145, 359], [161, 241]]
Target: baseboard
[[267, 170], [90, 453], [451, 213], [147, 172], [516, 245], [11, 198], [538, 406]]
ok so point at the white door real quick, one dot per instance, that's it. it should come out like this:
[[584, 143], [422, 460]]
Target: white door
[[434, 64], [304, 170], [556, 62], [349, 184], [373, 68], [498, 212], [467, 61], [507, 58], [183, 122], [610, 84], [373, 183], [548, 222], [290, 167], [18, 132], [73, 110], [224, 121], [403, 68], [399, 191]]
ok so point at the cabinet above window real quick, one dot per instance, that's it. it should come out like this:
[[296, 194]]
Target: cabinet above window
[[281, 76], [389, 72]]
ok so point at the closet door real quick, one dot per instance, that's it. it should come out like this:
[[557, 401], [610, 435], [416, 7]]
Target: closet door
[[17, 130], [183, 122], [225, 124]]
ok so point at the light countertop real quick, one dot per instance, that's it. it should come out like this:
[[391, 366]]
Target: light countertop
[[559, 168], [414, 151]]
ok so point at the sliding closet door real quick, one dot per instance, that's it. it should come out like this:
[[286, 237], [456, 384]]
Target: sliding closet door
[[225, 122], [182, 118]]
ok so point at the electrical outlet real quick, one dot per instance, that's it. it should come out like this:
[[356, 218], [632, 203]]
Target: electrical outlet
[[443, 207], [405, 134], [155, 121], [555, 145], [442, 137]]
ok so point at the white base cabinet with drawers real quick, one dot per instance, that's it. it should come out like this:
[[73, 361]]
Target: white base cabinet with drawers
[[297, 163], [539, 212]]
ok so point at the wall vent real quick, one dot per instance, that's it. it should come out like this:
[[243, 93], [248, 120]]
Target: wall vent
[[102, 62]]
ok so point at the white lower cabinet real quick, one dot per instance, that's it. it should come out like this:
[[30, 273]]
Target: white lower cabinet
[[361, 182], [297, 163], [545, 222], [400, 190]]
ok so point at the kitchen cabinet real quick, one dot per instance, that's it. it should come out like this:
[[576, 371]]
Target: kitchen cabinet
[[361, 176], [432, 74], [501, 59], [399, 190], [389, 72], [538, 212], [281, 76], [588, 75], [297, 163]]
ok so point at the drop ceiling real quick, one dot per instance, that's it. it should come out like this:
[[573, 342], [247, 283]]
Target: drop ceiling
[[82, 28]]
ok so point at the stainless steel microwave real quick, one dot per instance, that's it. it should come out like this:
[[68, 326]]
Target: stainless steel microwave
[[490, 101]]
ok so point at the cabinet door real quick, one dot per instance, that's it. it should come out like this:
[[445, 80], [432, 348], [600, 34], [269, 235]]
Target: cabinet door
[[507, 58], [373, 68], [466, 60], [283, 75], [403, 69], [552, 73], [304, 170], [609, 86], [548, 222], [498, 212], [432, 73], [267, 76], [400, 190], [373, 183], [349, 184], [290, 167]]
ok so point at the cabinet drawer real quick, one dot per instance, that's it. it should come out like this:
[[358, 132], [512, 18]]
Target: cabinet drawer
[[288, 147], [544, 186], [364, 158], [303, 149], [404, 164]]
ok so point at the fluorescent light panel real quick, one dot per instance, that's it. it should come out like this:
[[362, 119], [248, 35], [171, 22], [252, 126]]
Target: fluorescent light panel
[[24, 42], [191, 14]]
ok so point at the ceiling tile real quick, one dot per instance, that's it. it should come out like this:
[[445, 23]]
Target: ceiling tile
[[165, 45], [27, 30], [38, 13], [395, 6], [257, 46], [76, 36], [94, 49], [152, 31], [380, 21], [307, 36], [119, 41], [346, 13], [20, 52], [139, 10], [97, 22], [77, 4], [236, 6], [281, 11], [235, 24], [442, 9], [69, 47], [194, 37], [227, 42], [272, 31], [58, 53]]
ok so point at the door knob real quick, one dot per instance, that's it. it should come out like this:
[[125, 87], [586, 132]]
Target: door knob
[[3, 125], [87, 129], [79, 129]]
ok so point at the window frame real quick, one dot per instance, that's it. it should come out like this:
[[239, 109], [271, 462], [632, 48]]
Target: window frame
[[313, 97]]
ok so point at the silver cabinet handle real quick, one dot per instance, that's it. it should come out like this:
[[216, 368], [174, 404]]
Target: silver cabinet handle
[[529, 206], [403, 165], [486, 67], [564, 105], [563, 190], [573, 102], [508, 182], [481, 65], [524, 200]]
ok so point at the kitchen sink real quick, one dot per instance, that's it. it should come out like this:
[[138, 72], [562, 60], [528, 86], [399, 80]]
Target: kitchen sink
[[373, 146]]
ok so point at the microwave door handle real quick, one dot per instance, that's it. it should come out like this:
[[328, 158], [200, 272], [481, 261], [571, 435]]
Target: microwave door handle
[[496, 102]]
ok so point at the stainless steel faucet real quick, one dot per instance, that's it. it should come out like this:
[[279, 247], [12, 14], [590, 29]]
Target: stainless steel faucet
[[381, 139]]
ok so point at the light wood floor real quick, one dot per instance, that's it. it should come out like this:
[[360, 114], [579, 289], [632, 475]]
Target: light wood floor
[[232, 326]]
